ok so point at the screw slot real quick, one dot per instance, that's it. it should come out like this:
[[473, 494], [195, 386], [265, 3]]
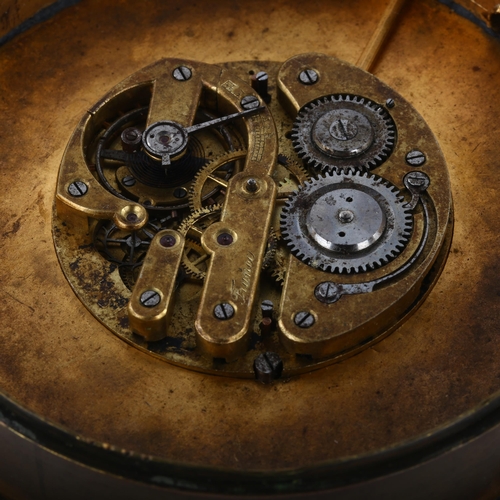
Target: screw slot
[[224, 311], [268, 367], [150, 298], [77, 189], [415, 158], [304, 319], [182, 73], [308, 77]]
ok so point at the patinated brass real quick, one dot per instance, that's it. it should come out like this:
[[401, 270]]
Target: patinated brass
[[437, 371], [160, 265], [233, 272], [357, 319]]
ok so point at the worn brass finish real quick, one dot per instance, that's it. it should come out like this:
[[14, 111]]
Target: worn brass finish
[[160, 265], [233, 272], [120, 400], [356, 319]]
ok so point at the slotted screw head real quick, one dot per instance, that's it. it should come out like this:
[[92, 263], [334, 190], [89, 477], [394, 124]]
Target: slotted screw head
[[266, 308], [77, 189], [327, 292], [182, 73], [415, 158], [308, 77], [150, 298], [390, 103], [250, 102], [224, 311], [304, 319], [267, 367], [128, 181]]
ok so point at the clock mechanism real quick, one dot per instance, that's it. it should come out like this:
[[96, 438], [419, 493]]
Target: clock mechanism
[[252, 222]]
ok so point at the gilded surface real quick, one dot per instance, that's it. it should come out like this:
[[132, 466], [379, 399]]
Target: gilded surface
[[59, 362]]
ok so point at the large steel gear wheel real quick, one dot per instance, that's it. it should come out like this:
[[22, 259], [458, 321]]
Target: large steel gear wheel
[[343, 132], [346, 223]]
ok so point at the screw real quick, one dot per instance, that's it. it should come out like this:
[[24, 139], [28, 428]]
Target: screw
[[259, 84], [415, 158], [182, 74], [77, 189], [304, 319], [180, 193], [390, 103], [267, 367], [327, 292], [167, 241], [265, 326], [267, 307], [346, 216], [251, 185], [131, 139], [128, 181], [150, 298], [224, 239], [250, 102], [223, 311], [131, 217], [308, 77], [416, 181]]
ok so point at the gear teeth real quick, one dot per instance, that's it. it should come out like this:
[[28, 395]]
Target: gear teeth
[[196, 198], [372, 158], [297, 240]]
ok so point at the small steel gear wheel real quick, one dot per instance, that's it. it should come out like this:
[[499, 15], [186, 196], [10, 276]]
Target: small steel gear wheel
[[346, 223], [342, 133], [213, 177]]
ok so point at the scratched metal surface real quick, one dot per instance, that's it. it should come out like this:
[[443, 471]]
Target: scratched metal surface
[[58, 362]]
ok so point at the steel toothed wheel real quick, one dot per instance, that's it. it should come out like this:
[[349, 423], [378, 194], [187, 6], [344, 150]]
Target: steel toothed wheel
[[346, 223], [343, 132]]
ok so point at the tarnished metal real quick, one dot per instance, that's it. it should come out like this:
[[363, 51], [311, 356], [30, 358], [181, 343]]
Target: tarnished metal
[[227, 247], [60, 363], [151, 304]]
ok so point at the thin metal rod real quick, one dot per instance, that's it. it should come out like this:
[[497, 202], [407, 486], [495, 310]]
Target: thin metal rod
[[384, 28]]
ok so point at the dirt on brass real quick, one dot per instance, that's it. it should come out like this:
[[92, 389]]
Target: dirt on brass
[[59, 362]]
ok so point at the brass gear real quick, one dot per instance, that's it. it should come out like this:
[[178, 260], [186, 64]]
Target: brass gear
[[278, 266], [295, 176], [190, 265], [206, 183], [194, 225]]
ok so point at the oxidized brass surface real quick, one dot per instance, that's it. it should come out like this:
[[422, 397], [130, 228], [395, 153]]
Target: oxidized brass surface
[[182, 327], [59, 362]]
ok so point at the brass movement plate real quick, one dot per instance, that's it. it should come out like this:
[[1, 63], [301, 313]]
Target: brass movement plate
[[130, 264]]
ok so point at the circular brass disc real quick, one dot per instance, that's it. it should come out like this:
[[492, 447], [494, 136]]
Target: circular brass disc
[[63, 366]]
